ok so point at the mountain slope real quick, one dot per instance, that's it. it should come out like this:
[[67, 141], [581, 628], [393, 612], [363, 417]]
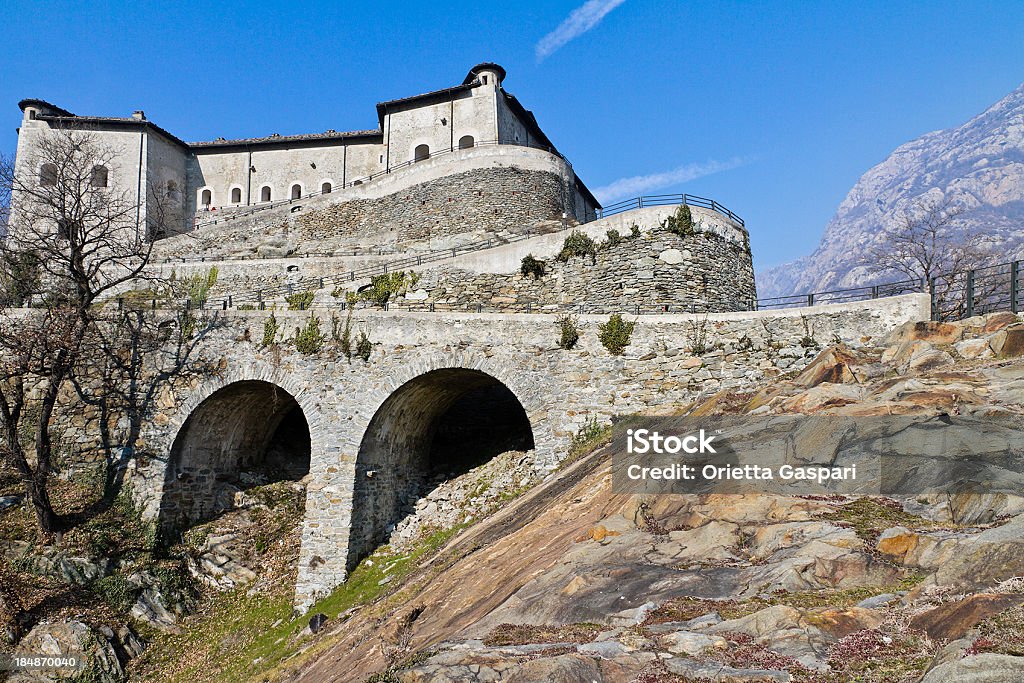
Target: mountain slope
[[979, 164]]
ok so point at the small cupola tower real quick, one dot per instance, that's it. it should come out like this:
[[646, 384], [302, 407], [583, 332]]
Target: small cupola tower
[[488, 74]]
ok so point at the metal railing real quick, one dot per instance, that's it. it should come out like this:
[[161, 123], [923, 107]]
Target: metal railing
[[668, 200], [838, 296], [988, 289]]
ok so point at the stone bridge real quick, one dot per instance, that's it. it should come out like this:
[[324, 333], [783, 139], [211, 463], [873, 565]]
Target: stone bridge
[[440, 393]]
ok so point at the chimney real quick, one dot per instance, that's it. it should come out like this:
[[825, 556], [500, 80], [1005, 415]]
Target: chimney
[[139, 115]]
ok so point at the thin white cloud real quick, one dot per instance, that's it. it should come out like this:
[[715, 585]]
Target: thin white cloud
[[580, 20], [625, 188]]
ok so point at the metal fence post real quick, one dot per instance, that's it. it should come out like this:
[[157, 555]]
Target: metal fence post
[[1014, 287], [969, 293], [933, 298]]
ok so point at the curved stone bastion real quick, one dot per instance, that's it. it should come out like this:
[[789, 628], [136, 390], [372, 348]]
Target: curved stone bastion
[[365, 434]]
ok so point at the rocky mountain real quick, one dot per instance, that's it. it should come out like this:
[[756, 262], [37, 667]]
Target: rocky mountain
[[978, 165]]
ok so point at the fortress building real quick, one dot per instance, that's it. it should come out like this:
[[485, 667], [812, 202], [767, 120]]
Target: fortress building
[[194, 181]]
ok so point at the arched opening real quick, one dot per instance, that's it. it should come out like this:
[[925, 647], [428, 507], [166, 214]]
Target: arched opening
[[431, 429], [206, 198], [421, 152], [248, 433], [265, 193], [172, 189], [48, 175], [325, 188], [100, 176], [236, 195], [466, 141], [296, 191]]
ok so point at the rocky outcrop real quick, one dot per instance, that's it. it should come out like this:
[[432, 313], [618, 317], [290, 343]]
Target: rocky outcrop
[[102, 653], [979, 164]]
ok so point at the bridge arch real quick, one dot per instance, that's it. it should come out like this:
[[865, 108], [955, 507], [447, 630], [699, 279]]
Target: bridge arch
[[435, 423], [244, 424]]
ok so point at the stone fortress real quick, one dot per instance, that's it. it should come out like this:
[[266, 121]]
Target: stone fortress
[[460, 168]]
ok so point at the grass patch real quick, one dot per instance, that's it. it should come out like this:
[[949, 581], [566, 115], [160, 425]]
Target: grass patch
[[1002, 634], [239, 637], [869, 517], [883, 657], [686, 608], [587, 440], [522, 634]]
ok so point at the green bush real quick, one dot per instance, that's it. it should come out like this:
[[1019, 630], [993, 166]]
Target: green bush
[[383, 287], [680, 222], [363, 346], [634, 231], [589, 437], [197, 287], [577, 244], [614, 238], [270, 330], [344, 338], [300, 301], [570, 333], [615, 334], [532, 267], [309, 339]]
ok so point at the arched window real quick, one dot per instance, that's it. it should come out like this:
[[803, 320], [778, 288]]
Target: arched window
[[325, 188], [236, 195], [422, 152], [206, 198], [100, 175], [466, 141], [296, 191], [172, 189], [265, 193], [48, 175]]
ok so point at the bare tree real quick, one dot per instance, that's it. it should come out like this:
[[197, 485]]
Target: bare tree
[[926, 242], [84, 240]]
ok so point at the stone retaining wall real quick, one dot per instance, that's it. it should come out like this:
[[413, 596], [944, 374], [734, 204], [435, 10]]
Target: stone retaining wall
[[439, 204], [705, 271]]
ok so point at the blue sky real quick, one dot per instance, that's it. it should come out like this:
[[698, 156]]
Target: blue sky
[[772, 108]]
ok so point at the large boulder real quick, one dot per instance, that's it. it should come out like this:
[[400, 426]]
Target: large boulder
[[984, 668], [59, 564], [918, 549], [97, 649], [1009, 342], [930, 331], [835, 364], [987, 558]]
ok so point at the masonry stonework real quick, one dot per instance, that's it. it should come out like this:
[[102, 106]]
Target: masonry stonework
[[498, 200], [650, 271]]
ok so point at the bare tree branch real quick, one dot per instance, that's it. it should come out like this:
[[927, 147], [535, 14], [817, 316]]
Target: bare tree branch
[[75, 240]]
